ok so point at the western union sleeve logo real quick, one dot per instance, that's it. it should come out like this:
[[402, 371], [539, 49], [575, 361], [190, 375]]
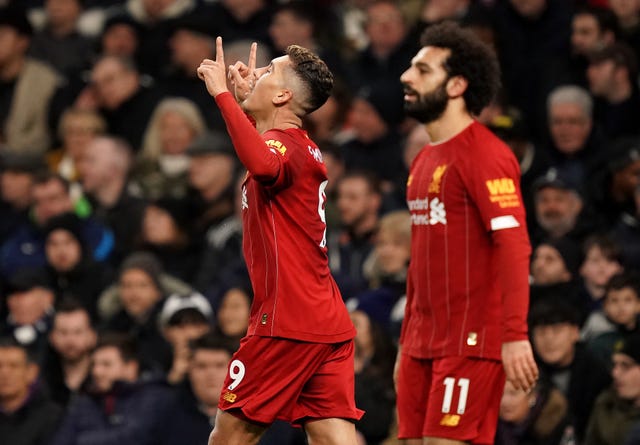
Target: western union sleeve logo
[[282, 149], [502, 191], [434, 187]]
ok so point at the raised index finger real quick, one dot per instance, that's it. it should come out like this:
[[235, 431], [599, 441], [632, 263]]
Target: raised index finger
[[252, 56], [219, 51]]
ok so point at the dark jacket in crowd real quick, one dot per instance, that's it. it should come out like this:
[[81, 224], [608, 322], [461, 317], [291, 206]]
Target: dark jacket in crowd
[[125, 219], [52, 376], [611, 420], [588, 377], [186, 422], [130, 414], [546, 424], [25, 247], [32, 424], [129, 121], [154, 351]]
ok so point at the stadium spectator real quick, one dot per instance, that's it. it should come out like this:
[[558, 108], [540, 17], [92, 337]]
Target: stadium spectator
[[192, 414], [212, 173], [27, 417], [618, 317], [51, 196], [17, 177], [30, 301], [120, 37], [155, 21], [142, 296], [602, 260], [183, 319], [612, 75], [71, 270], [592, 29], [628, 15], [389, 49], [59, 43], [121, 408], [359, 200], [576, 145], [76, 130], [566, 362], [375, 117], [67, 364], [615, 411], [162, 165], [104, 175], [118, 93], [537, 417], [27, 88]]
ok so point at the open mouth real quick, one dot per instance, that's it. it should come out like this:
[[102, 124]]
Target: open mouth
[[410, 95]]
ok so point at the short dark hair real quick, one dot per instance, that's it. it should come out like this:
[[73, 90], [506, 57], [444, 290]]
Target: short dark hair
[[213, 342], [553, 311], [125, 344], [605, 17], [624, 280], [469, 58], [372, 180], [44, 177], [69, 305], [7, 342], [609, 248], [314, 73], [187, 316]]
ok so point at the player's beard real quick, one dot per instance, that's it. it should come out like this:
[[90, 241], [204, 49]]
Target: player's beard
[[430, 106]]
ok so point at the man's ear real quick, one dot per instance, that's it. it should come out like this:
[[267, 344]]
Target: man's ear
[[456, 86], [282, 97]]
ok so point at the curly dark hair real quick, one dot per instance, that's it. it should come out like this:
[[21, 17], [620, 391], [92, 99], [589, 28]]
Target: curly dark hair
[[314, 73], [469, 58]]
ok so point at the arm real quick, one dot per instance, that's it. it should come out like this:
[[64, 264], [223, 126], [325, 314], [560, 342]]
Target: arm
[[495, 188], [512, 251], [250, 147]]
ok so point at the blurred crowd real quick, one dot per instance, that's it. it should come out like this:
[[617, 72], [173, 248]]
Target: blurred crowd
[[123, 291]]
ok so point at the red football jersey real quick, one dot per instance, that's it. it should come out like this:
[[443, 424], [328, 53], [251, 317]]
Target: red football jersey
[[285, 247], [467, 288]]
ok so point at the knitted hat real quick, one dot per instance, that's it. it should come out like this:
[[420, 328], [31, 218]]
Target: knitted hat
[[630, 346], [553, 311], [569, 251], [176, 305], [69, 222], [145, 262]]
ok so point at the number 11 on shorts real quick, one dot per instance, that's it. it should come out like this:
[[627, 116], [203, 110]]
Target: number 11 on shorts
[[449, 386]]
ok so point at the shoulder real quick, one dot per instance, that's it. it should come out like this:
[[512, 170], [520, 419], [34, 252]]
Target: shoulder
[[42, 71], [481, 152], [483, 142]]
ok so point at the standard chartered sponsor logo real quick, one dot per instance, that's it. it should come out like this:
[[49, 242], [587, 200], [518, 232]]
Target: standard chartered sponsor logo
[[425, 212]]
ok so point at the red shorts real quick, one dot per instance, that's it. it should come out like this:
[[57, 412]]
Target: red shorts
[[454, 398], [275, 378]]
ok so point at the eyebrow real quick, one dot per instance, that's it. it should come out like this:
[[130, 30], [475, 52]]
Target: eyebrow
[[423, 65]]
